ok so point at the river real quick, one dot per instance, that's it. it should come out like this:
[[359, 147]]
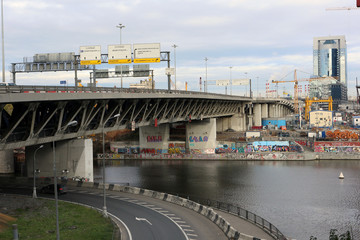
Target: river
[[301, 198]]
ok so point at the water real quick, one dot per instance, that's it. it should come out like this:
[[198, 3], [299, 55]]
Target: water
[[302, 199]]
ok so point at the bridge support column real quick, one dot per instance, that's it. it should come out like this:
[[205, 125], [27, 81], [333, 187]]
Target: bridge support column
[[154, 140], [7, 161], [265, 110], [75, 155], [201, 136], [250, 117], [257, 114]]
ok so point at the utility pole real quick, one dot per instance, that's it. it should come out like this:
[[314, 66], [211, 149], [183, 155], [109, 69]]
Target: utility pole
[[2, 40], [175, 46], [120, 26]]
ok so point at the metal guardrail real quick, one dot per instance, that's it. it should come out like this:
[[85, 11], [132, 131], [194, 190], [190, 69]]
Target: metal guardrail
[[244, 214]]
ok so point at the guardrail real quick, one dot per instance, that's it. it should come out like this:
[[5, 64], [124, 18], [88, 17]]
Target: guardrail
[[244, 214]]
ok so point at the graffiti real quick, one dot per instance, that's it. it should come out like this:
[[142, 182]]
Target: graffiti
[[338, 147], [176, 148], [154, 138], [198, 139]]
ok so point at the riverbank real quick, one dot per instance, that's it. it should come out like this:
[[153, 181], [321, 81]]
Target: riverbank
[[262, 156]]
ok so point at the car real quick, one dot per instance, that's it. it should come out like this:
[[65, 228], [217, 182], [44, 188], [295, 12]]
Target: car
[[49, 189]]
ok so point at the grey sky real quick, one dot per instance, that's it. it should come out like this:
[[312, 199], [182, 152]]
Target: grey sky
[[265, 38]]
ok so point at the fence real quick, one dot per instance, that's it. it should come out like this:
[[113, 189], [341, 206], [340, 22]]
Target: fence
[[245, 214]]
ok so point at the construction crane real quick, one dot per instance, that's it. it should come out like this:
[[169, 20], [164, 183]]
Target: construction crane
[[308, 103], [296, 83]]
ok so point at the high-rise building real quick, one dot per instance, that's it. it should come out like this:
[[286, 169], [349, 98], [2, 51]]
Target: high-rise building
[[330, 57]]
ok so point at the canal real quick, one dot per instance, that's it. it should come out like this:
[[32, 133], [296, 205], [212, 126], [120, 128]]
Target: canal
[[301, 198]]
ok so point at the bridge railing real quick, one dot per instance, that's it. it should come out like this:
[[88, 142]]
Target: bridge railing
[[65, 89]]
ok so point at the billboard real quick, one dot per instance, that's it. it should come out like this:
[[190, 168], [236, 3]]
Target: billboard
[[146, 53], [119, 54], [222, 82], [90, 55], [238, 82]]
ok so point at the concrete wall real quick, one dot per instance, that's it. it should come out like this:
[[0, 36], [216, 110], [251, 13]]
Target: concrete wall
[[201, 136], [7, 161], [154, 138], [75, 155]]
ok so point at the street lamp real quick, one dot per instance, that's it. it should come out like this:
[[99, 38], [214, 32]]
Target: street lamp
[[120, 26], [2, 41], [34, 171], [175, 46], [206, 82], [72, 123], [103, 162], [230, 81]]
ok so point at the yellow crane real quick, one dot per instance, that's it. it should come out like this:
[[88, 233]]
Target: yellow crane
[[296, 83], [308, 103]]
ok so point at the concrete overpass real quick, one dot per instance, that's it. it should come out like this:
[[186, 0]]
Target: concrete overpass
[[34, 115]]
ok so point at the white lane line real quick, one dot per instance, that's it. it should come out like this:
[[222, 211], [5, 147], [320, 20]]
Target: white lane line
[[180, 221], [182, 225], [192, 235], [189, 230]]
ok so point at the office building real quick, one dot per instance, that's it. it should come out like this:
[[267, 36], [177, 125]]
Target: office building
[[329, 55]]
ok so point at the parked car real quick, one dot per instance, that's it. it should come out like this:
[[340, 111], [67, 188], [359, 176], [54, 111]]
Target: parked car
[[49, 189]]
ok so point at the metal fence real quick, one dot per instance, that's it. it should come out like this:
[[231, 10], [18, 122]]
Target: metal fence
[[244, 214]]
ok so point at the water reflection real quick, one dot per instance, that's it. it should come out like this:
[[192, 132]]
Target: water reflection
[[300, 198]]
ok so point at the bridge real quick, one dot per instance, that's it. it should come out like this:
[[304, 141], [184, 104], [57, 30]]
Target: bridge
[[35, 115]]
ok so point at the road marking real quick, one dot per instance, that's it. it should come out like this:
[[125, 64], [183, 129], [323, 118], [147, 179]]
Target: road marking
[[143, 219], [180, 221], [189, 230], [182, 225], [192, 235]]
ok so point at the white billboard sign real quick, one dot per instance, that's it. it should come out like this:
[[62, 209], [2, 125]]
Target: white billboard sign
[[146, 53], [119, 54], [222, 82], [238, 82], [90, 55]]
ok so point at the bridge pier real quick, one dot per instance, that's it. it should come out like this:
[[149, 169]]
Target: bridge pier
[[154, 139], [74, 155], [201, 136], [7, 165]]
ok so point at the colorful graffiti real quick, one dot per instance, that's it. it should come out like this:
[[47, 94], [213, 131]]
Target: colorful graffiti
[[154, 138], [346, 147], [198, 139], [176, 148]]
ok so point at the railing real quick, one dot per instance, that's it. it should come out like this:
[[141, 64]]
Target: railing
[[64, 89], [244, 214]]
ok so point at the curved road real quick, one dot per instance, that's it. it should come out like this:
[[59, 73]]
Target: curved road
[[145, 217]]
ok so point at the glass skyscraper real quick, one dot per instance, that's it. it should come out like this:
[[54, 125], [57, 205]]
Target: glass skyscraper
[[330, 57]]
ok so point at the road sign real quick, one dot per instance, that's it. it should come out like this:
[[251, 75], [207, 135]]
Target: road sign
[[147, 53], [222, 82], [238, 82], [90, 55], [169, 71], [119, 54]]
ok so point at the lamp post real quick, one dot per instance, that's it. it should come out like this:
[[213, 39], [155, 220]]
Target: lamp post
[[206, 82], [2, 41], [34, 172], [72, 123], [120, 26], [175, 46], [103, 163], [230, 81]]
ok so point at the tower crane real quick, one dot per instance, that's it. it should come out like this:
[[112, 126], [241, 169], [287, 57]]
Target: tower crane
[[296, 83]]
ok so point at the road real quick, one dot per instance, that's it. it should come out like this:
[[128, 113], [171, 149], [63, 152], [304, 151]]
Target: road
[[146, 218]]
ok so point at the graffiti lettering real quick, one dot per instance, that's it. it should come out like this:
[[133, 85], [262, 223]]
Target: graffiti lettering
[[154, 138], [198, 139]]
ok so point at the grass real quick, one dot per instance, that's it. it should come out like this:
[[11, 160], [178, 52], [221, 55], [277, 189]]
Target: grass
[[75, 222]]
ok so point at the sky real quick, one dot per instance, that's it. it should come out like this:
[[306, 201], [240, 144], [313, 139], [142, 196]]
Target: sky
[[262, 40]]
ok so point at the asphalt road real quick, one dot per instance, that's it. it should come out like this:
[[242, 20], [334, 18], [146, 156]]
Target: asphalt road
[[146, 218]]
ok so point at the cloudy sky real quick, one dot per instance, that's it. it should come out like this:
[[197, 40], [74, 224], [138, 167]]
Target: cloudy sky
[[261, 40]]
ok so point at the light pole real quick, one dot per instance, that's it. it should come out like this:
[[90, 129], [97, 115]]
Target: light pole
[[206, 82], [34, 172], [245, 85], [175, 46], [120, 26], [2, 40], [103, 163], [72, 123], [230, 81]]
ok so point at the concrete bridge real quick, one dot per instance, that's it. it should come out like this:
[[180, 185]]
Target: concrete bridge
[[40, 115]]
